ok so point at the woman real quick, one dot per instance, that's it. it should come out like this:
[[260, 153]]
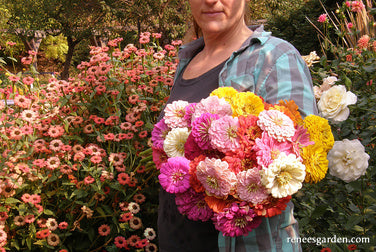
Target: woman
[[230, 53]]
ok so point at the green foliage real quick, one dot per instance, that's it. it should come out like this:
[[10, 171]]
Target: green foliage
[[335, 207], [55, 47]]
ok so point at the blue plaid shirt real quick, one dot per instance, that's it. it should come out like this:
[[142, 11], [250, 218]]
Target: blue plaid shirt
[[272, 68]]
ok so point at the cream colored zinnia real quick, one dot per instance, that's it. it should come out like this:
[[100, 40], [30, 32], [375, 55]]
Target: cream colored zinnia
[[284, 176], [174, 142]]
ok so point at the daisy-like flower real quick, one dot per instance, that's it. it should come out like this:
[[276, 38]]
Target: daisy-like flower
[[29, 115], [133, 207], [249, 187], [268, 149], [3, 236], [189, 110], [150, 234], [236, 220], [52, 224], [120, 242], [174, 175], [284, 176], [63, 225], [29, 218], [277, 124], [53, 240], [88, 180], [193, 205], [174, 114], [135, 223], [213, 105], [200, 130], [52, 163], [216, 177], [174, 142], [56, 145], [104, 230], [19, 220], [22, 102], [223, 134]]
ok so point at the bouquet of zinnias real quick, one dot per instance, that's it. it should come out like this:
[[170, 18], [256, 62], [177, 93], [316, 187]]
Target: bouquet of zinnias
[[234, 159]]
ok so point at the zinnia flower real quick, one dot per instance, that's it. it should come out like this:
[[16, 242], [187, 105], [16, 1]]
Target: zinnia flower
[[216, 177], [322, 18], [284, 176], [348, 160], [104, 230], [174, 175], [174, 114], [363, 41], [247, 103], [193, 205], [174, 142], [159, 134], [277, 124], [319, 131], [213, 105], [150, 234], [53, 239], [236, 220], [249, 187], [200, 130], [223, 134], [316, 163]]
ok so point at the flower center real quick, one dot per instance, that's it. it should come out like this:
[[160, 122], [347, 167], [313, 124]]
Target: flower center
[[212, 182], [347, 159], [240, 222], [180, 113], [231, 132], [252, 188], [284, 178], [177, 176], [274, 154]]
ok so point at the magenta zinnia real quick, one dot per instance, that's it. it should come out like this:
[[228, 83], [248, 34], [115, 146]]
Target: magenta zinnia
[[193, 205], [236, 220], [174, 176], [200, 130]]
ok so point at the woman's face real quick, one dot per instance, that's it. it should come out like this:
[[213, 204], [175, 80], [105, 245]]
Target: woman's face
[[218, 16]]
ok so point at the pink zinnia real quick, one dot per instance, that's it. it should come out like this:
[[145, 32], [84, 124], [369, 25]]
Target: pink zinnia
[[300, 140], [193, 205], [268, 148], [159, 134], [120, 242], [216, 177], [249, 187], [200, 130], [189, 110], [277, 124], [52, 163], [159, 157], [357, 6], [236, 220], [322, 18], [88, 180], [223, 134], [174, 175], [213, 105], [363, 42], [174, 114], [104, 230]]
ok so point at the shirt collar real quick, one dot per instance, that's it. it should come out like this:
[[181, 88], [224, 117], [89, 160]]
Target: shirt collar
[[258, 36]]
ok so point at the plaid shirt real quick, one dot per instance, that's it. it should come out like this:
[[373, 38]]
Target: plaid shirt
[[272, 68]]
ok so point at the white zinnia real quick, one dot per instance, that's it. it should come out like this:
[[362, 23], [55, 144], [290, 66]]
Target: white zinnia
[[333, 103], [284, 176], [174, 142], [348, 160]]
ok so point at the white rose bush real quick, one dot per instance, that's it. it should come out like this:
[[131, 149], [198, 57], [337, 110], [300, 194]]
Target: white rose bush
[[344, 203]]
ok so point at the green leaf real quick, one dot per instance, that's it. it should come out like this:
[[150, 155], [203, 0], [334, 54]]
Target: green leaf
[[48, 212], [352, 221], [11, 201]]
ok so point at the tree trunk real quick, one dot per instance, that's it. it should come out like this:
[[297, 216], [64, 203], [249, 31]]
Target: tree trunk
[[68, 58]]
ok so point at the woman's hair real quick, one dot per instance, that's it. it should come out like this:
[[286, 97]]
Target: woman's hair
[[194, 31]]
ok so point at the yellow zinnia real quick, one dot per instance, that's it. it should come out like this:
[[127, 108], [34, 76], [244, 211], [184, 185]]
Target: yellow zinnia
[[228, 93], [247, 103], [316, 162], [319, 131]]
